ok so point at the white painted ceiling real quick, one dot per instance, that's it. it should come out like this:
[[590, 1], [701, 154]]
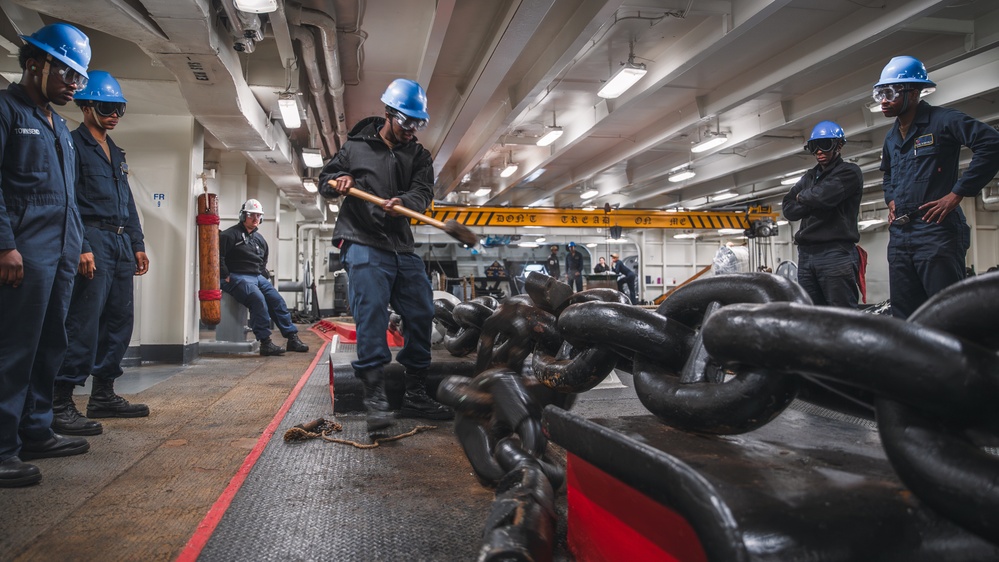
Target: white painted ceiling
[[763, 72]]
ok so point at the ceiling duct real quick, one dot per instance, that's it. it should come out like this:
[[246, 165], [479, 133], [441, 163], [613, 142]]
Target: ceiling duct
[[326, 26], [181, 36]]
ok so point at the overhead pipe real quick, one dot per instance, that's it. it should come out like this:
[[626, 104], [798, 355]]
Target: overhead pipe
[[307, 43], [334, 83]]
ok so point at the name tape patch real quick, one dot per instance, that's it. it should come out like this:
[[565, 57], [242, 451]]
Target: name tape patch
[[925, 140]]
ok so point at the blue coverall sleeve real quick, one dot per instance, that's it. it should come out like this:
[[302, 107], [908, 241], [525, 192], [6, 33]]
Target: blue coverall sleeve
[[886, 184], [983, 141], [6, 229], [133, 228]]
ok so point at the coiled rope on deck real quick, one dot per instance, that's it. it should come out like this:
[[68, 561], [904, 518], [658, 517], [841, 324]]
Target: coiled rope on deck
[[322, 429]]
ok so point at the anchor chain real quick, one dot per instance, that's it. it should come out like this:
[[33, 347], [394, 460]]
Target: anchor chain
[[935, 379]]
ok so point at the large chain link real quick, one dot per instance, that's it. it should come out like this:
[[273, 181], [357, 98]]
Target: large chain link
[[935, 378], [727, 354]]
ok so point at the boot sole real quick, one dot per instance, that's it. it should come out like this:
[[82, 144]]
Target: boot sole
[[63, 430], [20, 482], [113, 414], [63, 452]]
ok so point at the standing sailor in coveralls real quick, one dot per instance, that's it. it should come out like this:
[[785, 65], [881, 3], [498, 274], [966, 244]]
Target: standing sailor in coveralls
[[929, 236], [40, 239], [99, 324]]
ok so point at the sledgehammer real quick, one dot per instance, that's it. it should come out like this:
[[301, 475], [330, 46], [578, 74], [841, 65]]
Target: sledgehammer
[[453, 228]]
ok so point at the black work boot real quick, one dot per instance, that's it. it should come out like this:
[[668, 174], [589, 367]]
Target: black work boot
[[267, 347], [375, 402], [296, 344], [416, 403], [14, 473], [66, 419], [104, 403]]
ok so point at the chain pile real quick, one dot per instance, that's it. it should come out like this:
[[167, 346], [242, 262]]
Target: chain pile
[[726, 355]]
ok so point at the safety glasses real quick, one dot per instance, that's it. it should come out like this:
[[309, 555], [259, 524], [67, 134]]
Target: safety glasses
[[821, 145], [408, 123], [889, 93], [66, 74], [109, 108]]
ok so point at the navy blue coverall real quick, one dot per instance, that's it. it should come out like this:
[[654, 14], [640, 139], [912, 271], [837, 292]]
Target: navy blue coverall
[[574, 269], [827, 202], [101, 314], [625, 277], [924, 258], [38, 218]]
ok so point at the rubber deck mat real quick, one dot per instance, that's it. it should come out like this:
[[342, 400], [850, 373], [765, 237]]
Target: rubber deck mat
[[412, 499]]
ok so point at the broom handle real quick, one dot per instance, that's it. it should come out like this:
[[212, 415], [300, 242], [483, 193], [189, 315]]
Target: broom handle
[[405, 211]]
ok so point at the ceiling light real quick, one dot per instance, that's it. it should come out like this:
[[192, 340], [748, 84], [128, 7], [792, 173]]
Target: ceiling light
[[256, 6], [288, 106], [681, 175], [589, 208], [686, 235], [541, 240], [730, 231], [711, 140], [528, 244], [310, 185], [589, 194], [334, 208], [312, 158], [629, 73], [483, 192], [781, 222], [591, 245], [723, 196], [509, 170], [551, 135]]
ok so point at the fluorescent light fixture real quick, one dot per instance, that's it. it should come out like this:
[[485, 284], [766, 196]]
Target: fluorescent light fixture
[[629, 73], [686, 236], [288, 106], [528, 244], [312, 158], [533, 227], [589, 208], [589, 194], [712, 140], [723, 196], [334, 208], [256, 6], [310, 185], [552, 134], [681, 175], [591, 245], [541, 240], [781, 222], [509, 170], [730, 231], [483, 192], [534, 175]]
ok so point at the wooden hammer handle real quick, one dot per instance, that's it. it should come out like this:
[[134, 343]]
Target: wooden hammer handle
[[402, 210]]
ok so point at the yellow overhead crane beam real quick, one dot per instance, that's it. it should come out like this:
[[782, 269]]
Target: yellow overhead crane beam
[[600, 218]]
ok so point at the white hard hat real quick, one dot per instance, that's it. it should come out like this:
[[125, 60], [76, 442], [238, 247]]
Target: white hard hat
[[252, 206]]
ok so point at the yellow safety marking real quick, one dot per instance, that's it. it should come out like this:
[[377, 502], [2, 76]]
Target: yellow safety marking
[[577, 218]]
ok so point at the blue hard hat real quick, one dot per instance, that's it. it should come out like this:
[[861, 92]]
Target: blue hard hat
[[571, 245], [904, 70], [407, 97], [66, 43], [827, 130], [101, 87]]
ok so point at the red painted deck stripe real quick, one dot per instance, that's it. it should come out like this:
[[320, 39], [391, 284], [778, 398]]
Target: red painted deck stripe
[[207, 526]]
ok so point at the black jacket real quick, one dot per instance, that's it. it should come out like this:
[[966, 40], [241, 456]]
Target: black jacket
[[827, 203], [405, 171], [242, 252]]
